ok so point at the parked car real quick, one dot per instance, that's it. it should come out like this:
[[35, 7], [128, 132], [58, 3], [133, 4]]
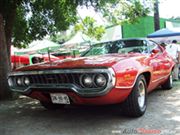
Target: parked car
[[19, 61], [121, 71], [38, 58], [63, 55]]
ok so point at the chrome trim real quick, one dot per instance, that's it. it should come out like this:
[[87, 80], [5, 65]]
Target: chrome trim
[[124, 87], [56, 71], [141, 94], [88, 92]]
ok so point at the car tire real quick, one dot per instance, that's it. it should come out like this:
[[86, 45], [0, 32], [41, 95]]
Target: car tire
[[136, 103], [51, 106], [169, 83]]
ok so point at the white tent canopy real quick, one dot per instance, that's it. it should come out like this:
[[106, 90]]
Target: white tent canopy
[[39, 45], [14, 49], [79, 38]]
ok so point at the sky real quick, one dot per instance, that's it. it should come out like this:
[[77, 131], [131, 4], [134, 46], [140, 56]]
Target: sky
[[169, 8], [83, 12]]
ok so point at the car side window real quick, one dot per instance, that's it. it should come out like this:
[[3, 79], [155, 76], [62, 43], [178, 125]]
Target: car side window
[[133, 46], [114, 47], [152, 45]]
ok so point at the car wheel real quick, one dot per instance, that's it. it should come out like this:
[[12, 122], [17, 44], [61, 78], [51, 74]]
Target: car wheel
[[136, 103], [51, 106], [169, 83]]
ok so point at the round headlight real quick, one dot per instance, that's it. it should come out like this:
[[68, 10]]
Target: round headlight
[[19, 81], [26, 81], [10, 82], [100, 80], [87, 80]]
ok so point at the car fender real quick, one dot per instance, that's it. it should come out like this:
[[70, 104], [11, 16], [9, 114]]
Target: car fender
[[127, 73]]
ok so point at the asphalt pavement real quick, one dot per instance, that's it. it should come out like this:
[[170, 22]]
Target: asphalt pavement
[[26, 116]]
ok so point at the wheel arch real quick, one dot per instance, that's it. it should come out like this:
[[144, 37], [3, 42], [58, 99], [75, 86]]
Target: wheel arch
[[147, 76]]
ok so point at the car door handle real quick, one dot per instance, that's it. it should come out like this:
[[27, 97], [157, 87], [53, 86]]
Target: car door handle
[[167, 64]]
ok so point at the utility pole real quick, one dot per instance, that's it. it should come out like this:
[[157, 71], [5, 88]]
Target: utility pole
[[156, 15]]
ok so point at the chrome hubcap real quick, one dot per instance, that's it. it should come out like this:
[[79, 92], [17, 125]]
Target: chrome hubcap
[[141, 91], [171, 79]]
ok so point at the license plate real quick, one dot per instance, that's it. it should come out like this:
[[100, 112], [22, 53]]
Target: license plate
[[59, 98]]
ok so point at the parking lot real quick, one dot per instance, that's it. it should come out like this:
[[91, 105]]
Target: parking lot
[[25, 116]]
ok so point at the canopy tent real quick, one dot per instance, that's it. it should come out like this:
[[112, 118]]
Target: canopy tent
[[165, 32], [77, 44], [14, 49], [79, 38], [165, 35], [40, 46], [18, 60]]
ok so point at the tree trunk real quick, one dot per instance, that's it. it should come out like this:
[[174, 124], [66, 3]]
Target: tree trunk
[[156, 16], [4, 63], [9, 28]]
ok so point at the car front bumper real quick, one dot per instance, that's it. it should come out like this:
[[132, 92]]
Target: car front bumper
[[114, 96]]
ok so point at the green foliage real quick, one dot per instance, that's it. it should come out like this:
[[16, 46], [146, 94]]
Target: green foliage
[[35, 19], [61, 37], [124, 11], [20, 29], [90, 28], [38, 18]]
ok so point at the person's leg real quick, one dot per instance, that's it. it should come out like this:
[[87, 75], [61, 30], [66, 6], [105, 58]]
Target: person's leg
[[176, 72]]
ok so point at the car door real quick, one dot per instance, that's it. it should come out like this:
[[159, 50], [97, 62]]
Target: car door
[[158, 61], [166, 63]]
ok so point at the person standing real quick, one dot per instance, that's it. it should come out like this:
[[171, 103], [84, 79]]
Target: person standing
[[173, 50]]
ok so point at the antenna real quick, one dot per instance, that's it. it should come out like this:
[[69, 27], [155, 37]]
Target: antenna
[[49, 56]]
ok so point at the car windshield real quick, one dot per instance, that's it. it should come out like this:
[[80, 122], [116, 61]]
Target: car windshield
[[120, 46]]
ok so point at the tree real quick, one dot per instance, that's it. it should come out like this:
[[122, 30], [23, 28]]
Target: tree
[[62, 37], [124, 11], [22, 21], [156, 15], [3, 61], [154, 6], [89, 27]]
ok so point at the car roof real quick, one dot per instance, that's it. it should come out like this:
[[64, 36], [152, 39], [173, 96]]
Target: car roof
[[123, 39]]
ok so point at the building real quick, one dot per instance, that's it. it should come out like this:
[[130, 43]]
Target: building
[[141, 28]]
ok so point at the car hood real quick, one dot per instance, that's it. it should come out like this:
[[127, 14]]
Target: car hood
[[82, 62]]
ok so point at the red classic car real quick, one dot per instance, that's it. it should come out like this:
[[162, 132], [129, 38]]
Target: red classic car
[[121, 71]]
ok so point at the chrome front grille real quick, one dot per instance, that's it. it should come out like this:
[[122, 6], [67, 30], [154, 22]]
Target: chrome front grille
[[62, 78]]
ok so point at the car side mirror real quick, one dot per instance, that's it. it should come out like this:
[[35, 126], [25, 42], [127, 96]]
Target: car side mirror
[[155, 51]]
